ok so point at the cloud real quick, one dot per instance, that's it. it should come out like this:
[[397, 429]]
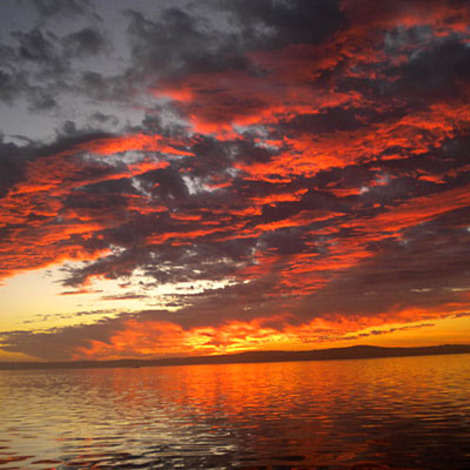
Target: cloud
[[436, 72], [59, 197], [85, 42], [49, 8], [311, 157], [277, 24], [12, 164]]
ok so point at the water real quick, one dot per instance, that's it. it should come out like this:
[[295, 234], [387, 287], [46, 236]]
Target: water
[[403, 413]]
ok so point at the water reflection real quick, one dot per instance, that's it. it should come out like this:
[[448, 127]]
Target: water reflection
[[411, 413]]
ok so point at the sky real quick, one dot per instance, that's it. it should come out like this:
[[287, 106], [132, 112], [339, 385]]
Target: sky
[[215, 176]]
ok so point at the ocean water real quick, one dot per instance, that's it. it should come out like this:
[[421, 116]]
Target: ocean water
[[399, 413]]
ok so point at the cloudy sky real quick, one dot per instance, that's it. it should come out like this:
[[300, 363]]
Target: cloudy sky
[[212, 176]]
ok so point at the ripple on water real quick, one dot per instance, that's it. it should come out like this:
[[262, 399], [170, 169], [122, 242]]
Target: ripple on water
[[402, 413]]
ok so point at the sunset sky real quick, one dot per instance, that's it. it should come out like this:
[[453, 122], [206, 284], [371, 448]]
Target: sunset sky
[[213, 176]]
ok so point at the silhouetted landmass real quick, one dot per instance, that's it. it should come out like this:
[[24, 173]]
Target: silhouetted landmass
[[353, 352]]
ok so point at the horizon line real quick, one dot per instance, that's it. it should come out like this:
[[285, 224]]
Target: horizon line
[[363, 351]]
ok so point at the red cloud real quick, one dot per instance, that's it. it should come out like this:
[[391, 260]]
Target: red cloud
[[41, 230], [153, 339]]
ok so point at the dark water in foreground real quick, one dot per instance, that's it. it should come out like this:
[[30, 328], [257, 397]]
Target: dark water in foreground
[[404, 413]]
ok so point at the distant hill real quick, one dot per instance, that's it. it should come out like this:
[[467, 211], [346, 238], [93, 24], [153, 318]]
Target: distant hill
[[353, 352]]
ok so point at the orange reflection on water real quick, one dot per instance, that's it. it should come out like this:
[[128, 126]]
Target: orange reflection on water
[[393, 413], [329, 412]]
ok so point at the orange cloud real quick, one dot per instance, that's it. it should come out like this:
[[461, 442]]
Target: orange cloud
[[306, 154], [133, 142], [41, 229], [153, 339]]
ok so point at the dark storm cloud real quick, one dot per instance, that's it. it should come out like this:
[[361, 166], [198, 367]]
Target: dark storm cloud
[[437, 72], [55, 7], [173, 43], [10, 86], [38, 64], [36, 46], [30, 53], [277, 24], [178, 43], [115, 89], [102, 118], [40, 100], [85, 42], [12, 165]]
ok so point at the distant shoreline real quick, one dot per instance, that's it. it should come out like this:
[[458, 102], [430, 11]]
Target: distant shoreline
[[353, 352]]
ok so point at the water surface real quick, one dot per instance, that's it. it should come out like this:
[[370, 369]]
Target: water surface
[[399, 413]]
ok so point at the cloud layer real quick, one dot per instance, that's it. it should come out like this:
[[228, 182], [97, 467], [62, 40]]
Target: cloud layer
[[301, 167]]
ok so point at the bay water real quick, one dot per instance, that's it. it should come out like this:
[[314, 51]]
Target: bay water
[[394, 413]]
